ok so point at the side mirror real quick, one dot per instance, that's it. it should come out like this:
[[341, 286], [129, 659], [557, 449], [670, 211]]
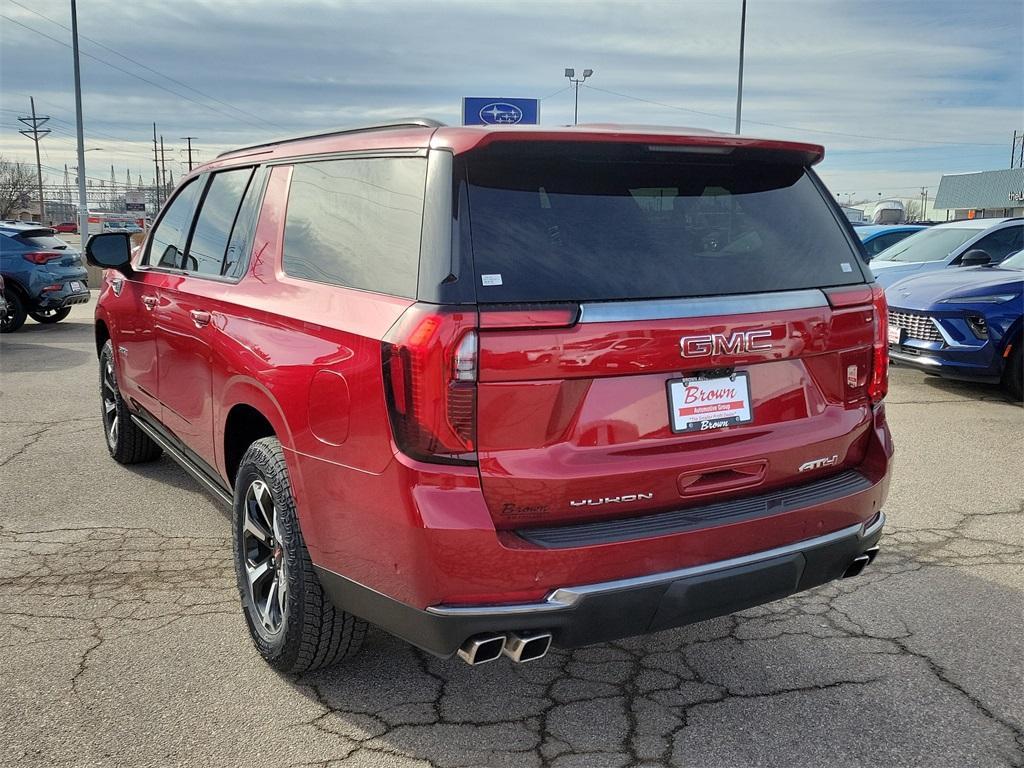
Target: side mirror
[[974, 258], [110, 250]]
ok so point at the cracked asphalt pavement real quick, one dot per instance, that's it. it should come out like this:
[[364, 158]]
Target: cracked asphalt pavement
[[123, 642]]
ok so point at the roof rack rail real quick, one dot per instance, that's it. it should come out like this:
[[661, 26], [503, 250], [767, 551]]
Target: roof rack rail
[[423, 122]]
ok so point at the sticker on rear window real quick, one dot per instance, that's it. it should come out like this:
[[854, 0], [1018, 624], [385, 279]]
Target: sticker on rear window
[[845, 266], [490, 279]]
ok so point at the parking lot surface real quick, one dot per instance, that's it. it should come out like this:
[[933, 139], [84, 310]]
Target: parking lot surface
[[123, 642]]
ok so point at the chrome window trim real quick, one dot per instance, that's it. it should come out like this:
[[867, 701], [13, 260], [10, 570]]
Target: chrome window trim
[[704, 306], [566, 597]]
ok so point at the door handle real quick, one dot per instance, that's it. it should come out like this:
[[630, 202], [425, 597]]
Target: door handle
[[149, 301], [200, 317]]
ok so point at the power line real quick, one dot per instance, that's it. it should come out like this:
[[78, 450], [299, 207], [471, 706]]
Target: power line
[[793, 127], [150, 69], [130, 73]]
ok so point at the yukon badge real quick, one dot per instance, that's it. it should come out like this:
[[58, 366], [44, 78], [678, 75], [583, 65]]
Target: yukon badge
[[708, 344], [827, 461], [625, 498]]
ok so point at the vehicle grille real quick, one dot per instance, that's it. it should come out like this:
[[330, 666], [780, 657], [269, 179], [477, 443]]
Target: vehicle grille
[[918, 327]]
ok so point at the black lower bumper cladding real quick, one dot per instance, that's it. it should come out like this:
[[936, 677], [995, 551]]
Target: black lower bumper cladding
[[595, 613]]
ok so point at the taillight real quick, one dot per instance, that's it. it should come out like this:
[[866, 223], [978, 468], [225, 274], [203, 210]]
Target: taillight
[[430, 374], [41, 257], [879, 385]]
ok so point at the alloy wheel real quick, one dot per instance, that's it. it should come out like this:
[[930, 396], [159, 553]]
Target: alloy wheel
[[265, 563], [110, 417]]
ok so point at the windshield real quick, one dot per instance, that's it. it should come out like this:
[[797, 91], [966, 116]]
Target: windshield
[[928, 245], [1014, 262], [630, 222]]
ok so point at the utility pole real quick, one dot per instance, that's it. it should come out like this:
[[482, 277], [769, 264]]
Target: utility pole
[[35, 131], [156, 169], [924, 202], [1013, 148], [189, 140], [739, 81], [83, 200], [163, 168]]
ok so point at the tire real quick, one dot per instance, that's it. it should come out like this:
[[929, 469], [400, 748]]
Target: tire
[[296, 629], [125, 441], [48, 316], [15, 315], [1013, 374]]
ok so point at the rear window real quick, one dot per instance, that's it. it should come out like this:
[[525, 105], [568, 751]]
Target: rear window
[[44, 240], [632, 222], [356, 223]]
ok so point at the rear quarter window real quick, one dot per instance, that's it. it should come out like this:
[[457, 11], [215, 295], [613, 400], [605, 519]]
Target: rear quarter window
[[356, 223], [627, 222]]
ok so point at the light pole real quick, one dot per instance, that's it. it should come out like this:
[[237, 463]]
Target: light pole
[[739, 80], [571, 75], [83, 200]]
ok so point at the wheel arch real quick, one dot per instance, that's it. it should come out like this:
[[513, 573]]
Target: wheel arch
[[102, 334], [249, 414]]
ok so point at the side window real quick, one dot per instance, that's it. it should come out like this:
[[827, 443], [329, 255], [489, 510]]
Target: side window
[[356, 223], [882, 242], [241, 240], [167, 244], [1001, 243], [215, 221]]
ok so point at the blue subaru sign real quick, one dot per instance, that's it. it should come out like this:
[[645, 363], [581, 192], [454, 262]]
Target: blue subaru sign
[[481, 111]]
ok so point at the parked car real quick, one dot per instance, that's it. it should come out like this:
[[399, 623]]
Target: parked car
[[878, 237], [419, 409], [6, 318], [67, 228], [963, 324], [43, 276], [957, 244]]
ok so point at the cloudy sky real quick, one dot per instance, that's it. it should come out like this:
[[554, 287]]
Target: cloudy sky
[[898, 91]]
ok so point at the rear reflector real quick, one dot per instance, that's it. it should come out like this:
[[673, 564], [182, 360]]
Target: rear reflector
[[430, 371]]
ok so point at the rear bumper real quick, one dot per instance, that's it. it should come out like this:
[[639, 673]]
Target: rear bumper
[[63, 298], [604, 611]]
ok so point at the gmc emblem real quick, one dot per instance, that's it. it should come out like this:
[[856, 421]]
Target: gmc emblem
[[737, 343]]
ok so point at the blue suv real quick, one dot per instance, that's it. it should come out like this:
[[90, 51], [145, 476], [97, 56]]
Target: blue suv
[[961, 323], [42, 276]]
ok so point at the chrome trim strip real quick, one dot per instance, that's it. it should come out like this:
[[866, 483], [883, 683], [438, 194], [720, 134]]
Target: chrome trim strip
[[871, 530], [182, 460], [566, 597], [921, 360], [705, 306]]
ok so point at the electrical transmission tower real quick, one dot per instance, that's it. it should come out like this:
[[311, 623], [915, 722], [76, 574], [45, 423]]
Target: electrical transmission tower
[[35, 131]]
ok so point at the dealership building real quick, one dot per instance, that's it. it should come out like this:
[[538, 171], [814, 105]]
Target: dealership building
[[985, 194]]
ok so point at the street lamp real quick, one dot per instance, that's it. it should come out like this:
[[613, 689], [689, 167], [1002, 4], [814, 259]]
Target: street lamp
[[571, 75]]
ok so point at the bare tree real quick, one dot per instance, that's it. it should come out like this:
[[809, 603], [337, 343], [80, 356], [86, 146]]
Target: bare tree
[[16, 184], [912, 209]]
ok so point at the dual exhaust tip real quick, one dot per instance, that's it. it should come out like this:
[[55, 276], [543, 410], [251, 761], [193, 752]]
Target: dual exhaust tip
[[860, 562], [521, 647]]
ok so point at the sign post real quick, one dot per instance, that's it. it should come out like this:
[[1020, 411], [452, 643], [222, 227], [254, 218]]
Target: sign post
[[478, 110]]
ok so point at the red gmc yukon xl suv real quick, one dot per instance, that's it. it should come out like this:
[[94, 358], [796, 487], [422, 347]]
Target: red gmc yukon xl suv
[[491, 388]]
